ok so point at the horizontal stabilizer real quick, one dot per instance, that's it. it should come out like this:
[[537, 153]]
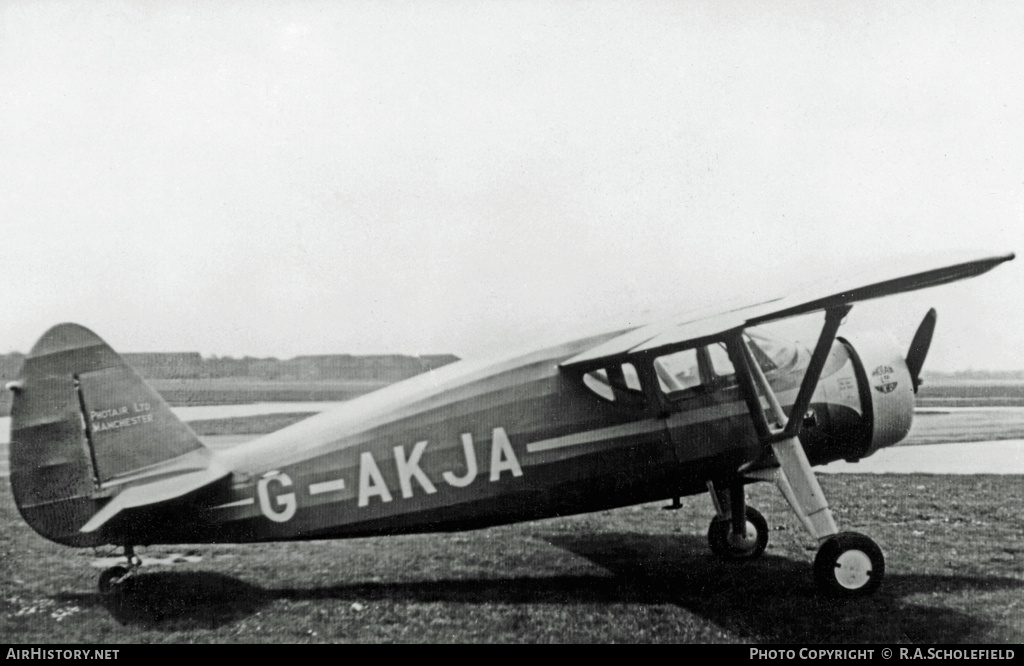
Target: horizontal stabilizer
[[184, 478]]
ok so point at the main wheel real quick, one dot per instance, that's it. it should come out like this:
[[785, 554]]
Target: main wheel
[[745, 547], [112, 580], [849, 565]]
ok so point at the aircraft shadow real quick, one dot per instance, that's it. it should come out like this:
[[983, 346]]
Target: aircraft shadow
[[771, 600], [774, 599], [180, 600]]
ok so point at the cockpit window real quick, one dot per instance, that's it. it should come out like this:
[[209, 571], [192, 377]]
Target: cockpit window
[[770, 352], [678, 372]]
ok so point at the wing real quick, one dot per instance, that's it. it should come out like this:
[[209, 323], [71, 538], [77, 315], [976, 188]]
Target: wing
[[828, 293]]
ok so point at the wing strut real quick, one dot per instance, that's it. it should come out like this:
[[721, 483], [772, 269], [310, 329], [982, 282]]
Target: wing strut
[[794, 477], [833, 318]]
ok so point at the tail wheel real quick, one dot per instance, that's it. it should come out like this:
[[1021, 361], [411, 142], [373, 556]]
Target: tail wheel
[[747, 546], [849, 565], [113, 580]]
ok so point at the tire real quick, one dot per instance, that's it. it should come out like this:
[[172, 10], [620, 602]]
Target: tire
[[726, 548], [112, 580], [849, 564]]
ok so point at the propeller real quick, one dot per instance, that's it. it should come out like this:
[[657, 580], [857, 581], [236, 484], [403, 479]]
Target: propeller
[[919, 347]]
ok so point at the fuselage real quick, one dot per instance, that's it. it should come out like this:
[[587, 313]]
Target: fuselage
[[482, 443]]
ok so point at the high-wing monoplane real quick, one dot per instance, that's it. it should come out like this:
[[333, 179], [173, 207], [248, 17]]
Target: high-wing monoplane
[[704, 402]]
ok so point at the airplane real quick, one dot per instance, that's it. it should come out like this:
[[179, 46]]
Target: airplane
[[703, 402]]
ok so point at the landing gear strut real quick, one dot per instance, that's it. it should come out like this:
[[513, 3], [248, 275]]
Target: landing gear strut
[[736, 539], [848, 564], [745, 546], [116, 579]]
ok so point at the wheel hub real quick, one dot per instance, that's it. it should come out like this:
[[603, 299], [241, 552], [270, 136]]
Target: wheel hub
[[745, 541], [853, 569]]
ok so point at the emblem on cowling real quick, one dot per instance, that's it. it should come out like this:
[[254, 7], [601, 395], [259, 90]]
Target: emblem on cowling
[[883, 380]]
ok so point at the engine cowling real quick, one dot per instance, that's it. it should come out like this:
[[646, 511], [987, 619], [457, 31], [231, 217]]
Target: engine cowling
[[868, 397]]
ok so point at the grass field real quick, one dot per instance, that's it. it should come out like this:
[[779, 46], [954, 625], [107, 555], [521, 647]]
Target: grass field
[[186, 392], [247, 425]]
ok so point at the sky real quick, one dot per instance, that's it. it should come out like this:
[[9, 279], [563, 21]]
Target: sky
[[288, 178]]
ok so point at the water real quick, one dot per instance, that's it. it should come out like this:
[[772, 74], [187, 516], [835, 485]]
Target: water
[[1002, 457]]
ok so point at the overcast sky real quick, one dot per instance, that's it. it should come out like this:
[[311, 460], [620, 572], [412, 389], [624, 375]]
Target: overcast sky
[[286, 178]]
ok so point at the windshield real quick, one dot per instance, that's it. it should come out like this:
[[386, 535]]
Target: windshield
[[768, 349]]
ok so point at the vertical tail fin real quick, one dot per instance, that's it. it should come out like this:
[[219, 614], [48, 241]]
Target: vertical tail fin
[[84, 424]]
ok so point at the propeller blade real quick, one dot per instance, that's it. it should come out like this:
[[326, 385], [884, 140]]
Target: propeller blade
[[919, 347]]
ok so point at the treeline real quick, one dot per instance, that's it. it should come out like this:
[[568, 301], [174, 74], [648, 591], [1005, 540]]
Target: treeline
[[383, 368]]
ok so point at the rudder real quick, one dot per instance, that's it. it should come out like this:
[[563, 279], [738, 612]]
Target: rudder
[[83, 424]]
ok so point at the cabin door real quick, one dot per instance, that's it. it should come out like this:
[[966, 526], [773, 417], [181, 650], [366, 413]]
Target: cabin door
[[705, 416]]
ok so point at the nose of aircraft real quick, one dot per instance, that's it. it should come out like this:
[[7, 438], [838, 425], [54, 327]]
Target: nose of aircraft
[[919, 347]]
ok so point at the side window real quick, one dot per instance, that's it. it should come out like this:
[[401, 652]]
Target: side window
[[687, 372], [678, 372], [597, 381], [631, 378], [721, 365], [617, 383]]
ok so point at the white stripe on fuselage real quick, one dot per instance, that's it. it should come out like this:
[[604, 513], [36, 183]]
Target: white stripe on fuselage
[[244, 502], [326, 486], [599, 435], [679, 419]]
